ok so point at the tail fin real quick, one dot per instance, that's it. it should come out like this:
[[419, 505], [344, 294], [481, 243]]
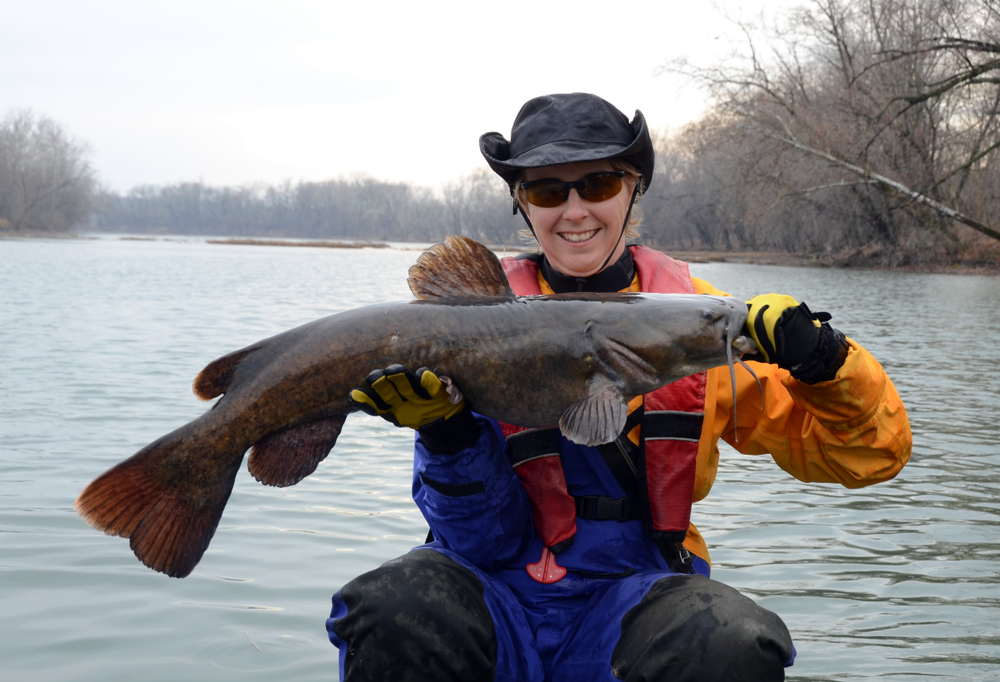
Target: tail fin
[[167, 499]]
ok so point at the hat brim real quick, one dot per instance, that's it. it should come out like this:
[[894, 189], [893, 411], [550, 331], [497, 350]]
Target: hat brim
[[496, 150]]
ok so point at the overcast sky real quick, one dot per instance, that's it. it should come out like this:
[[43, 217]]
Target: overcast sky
[[239, 92]]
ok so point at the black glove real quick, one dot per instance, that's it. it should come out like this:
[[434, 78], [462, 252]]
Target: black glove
[[791, 336], [422, 401]]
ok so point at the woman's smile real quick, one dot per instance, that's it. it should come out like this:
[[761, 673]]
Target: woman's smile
[[577, 237]]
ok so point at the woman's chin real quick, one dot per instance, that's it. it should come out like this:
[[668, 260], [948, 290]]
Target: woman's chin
[[579, 259], [578, 265]]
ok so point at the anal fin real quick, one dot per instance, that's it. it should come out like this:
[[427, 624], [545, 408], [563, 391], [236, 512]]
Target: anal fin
[[598, 418], [285, 457]]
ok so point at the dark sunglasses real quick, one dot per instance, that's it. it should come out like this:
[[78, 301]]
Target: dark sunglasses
[[547, 193]]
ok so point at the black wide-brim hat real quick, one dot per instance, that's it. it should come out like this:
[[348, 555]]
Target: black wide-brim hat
[[555, 129]]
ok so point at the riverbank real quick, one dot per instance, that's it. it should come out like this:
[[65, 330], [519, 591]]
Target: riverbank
[[972, 258], [283, 242], [980, 259], [970, 266]]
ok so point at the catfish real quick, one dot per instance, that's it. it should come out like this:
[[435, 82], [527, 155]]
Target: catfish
[[567, 360]]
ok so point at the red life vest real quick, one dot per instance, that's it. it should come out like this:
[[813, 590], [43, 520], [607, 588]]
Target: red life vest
[[669, 434]]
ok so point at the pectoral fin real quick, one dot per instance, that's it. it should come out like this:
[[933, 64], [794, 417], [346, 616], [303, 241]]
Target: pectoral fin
[[598, 418]]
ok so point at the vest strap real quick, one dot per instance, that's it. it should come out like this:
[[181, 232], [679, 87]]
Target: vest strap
[[672, 425], [622, 458], [531, 444], [534, 454]]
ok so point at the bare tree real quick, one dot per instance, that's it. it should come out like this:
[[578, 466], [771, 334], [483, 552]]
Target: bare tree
[[46, 181], [849, 123], [480, 206]]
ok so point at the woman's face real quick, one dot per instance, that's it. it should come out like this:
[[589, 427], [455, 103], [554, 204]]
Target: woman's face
[[578, 235]]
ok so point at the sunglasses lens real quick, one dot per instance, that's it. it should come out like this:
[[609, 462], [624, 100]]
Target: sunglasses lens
[[600, 187], [546, 194], [594, 188]]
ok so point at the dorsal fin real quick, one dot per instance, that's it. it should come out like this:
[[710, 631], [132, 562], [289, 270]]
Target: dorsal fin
[[458, 267]]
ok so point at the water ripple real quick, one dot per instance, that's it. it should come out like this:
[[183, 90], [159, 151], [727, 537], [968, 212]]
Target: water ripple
[[100, 340]]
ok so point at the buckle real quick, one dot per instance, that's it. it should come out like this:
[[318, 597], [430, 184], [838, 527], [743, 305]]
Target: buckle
[[684, 556], [679, 559], [612, 509], [599, 508], [586, 506]]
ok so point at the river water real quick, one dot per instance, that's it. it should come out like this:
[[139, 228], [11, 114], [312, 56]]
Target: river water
[[99, 342]]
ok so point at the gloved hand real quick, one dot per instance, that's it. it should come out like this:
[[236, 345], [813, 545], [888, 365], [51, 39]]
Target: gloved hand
[[404, 398], [434, 406], [791, 336]]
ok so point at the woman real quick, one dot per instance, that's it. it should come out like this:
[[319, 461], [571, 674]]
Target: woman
[[554, 561]]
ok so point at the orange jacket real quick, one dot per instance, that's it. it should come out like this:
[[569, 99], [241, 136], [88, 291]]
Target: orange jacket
[[852, 430]]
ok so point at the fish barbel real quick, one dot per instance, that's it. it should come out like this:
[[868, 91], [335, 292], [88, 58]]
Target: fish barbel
[[572, 360]]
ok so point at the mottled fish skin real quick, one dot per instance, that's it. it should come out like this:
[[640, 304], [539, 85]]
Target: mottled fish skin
[[523, 361], [571, 360]]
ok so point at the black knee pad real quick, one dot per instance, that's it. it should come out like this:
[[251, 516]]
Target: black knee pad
[[689, 627], [419, 617]]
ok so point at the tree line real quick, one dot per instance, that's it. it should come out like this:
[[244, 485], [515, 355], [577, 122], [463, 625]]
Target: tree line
[[864, 131], [47, 184], [359, 208]]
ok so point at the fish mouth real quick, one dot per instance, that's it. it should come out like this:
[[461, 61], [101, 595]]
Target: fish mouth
[[744, 344], [734, 341], [730, 320]]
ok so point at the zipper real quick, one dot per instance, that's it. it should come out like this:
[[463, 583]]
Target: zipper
[[628, 460]]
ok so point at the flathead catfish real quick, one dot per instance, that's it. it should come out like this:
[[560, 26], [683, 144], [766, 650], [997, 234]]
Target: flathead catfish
[[574, 360]]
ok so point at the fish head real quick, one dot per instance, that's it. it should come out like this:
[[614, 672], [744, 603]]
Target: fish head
[[727, 316], [664, 337]]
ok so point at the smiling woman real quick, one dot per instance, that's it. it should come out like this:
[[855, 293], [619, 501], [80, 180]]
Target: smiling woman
[[555, 560]]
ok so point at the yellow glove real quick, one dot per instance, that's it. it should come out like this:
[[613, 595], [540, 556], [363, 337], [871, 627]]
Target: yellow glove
[[786, 331], [407, 399]]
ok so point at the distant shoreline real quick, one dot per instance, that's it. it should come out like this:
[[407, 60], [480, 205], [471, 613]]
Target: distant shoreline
[[285, 242], [812, 261], [696, 257]]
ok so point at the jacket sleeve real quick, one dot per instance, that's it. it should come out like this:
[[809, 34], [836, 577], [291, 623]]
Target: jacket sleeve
[[852, 430], [473, 501]]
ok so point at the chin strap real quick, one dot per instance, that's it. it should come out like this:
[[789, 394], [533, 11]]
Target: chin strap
[[517, 207], [628, 214]]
